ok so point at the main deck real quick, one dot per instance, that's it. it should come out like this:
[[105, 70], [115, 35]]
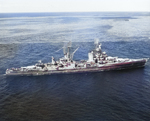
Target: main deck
[[106, 67]]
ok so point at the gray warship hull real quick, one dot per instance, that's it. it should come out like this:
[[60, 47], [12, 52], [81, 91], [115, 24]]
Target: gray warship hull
[[135, 63]]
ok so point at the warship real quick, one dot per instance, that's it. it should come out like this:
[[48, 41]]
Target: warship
[[97, 61]]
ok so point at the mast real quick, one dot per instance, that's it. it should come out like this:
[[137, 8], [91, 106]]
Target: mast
[[96, 42], [69, 46]]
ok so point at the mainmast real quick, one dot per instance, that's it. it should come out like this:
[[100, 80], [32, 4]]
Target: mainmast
[[96, 42], [69, 46]]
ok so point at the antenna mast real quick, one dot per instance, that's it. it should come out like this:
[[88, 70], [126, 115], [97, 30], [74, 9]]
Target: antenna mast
[[69, 46], [96, 42]]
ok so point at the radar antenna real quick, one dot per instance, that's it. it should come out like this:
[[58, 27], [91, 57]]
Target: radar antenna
[[69, 44]]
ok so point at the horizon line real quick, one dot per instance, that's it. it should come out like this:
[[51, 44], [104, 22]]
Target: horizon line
[[74, 11]]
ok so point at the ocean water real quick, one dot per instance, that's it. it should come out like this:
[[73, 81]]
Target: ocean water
[[26, 38]]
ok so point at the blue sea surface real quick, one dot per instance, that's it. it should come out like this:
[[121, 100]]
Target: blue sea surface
[[122, 95]]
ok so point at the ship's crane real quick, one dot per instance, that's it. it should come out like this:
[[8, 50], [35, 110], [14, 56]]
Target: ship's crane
[[74, 53]]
